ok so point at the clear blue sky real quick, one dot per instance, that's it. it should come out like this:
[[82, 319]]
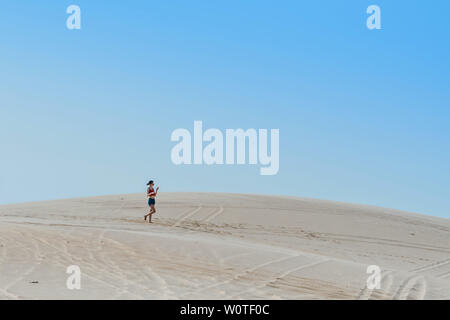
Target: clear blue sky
[[363, 114]]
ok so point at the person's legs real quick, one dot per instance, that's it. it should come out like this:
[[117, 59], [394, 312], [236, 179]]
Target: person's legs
[[152, 211]]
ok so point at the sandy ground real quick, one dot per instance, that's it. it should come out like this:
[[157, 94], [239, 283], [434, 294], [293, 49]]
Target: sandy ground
[[220, 246]]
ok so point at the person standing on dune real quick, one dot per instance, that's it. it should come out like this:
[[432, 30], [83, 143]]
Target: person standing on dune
[[151, 195]]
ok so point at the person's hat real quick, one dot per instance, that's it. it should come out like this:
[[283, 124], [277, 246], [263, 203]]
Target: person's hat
[[150, 182]]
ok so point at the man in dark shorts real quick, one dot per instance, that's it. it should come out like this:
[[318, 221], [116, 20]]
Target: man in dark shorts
[[151, 195]]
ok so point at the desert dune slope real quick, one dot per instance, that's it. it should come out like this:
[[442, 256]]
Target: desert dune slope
[[220, 246]]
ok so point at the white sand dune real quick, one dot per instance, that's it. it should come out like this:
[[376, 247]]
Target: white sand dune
[[217, 246]]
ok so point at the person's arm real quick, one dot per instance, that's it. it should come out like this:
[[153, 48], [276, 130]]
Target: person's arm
[[156, 191]]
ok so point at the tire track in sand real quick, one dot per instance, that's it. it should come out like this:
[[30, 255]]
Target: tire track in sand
[[68, 261], [278, 277], [431, 266], [28, 271], [186, 215], [414, 288], [241, 274]]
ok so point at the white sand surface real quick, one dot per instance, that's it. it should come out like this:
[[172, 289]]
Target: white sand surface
[[220, 246]]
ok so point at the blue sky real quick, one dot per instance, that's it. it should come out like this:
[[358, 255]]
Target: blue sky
[[363, 114]]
